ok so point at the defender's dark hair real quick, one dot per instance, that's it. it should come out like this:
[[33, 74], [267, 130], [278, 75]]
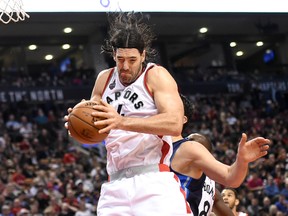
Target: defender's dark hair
[[233, 190], [127, 30], [202, 139], [188, 112]]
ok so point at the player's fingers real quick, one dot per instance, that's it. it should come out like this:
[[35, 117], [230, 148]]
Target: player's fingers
[[69, 110], [101, 108], [100, 113], [103, 122], [261, 141], [105, 130], [264, 148], [66, 125], [65, 118], [243, 139], [262, 153]]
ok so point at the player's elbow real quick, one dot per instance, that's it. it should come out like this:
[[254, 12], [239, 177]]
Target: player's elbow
[[230, 181], [234, 184]]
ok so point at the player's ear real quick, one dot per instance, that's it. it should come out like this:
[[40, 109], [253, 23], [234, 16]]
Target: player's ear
[[237, 202], [184, 119], [114, 56], [143, 56]]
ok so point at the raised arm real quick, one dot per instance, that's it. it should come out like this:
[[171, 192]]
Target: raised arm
[[233, 175]]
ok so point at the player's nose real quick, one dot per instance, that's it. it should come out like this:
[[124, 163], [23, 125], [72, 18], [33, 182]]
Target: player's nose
[[125, 65]]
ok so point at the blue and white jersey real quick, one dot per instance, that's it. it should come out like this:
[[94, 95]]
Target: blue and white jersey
[[200, 193]]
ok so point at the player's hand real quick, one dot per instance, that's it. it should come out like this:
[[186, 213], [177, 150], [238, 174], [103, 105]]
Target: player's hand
[[249, 151], [112, 119], [66, 117]]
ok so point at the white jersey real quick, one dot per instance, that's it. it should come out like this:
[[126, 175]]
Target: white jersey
[[208, 196], [127, 148], [242, 214]]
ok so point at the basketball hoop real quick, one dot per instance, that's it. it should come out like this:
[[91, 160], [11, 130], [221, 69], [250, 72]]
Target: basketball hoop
[[12, 10]]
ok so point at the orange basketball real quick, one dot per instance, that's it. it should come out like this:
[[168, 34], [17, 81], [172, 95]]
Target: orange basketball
[[81, 124]]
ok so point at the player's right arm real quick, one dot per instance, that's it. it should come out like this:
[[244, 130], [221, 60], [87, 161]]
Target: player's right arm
[[219, 207], [100, 85]]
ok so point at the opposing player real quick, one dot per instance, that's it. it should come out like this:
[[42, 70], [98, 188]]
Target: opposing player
[[135, 98], [192, 162], [230, 198], [201, 192], [219, 208]]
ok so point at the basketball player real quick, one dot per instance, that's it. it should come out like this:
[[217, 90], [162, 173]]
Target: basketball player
[[192, 161], [201, 193], [230, 197], [136, 99]]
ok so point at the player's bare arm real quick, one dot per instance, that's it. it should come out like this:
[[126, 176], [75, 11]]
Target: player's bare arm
[[99, 85], [168, 121], [233, 175]]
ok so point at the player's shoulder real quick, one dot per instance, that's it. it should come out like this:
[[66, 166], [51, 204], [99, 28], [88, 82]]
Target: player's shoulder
[[156, 68], [105, 72], [192, 144], [156, 72], [188, 147]]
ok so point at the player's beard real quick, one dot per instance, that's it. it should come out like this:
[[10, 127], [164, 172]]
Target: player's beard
[[124, 76], [232, 206]]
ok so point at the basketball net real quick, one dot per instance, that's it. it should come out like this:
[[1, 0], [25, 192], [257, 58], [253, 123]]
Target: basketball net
[[12, 10]]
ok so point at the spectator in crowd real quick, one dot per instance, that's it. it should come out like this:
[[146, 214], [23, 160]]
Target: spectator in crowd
[[282, 204], [271, 189], [284, 190], [254, 182], [23, 212], [85, 209], [254, 208], [266, 205], [6, 210], [67, 210]]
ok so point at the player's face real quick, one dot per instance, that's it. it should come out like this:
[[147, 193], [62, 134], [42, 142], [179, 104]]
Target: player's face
[[129, 63], [229, 198]]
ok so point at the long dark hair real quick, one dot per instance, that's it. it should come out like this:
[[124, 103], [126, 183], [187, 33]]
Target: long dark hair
[[128, 30], [189, 109]]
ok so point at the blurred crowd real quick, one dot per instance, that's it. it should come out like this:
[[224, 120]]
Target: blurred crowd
[[223, 118], [44, 172]]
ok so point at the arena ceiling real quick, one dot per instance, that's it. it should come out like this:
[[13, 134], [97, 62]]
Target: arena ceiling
[[178, 30]]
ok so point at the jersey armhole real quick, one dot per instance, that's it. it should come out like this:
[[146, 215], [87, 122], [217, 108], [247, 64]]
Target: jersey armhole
[[145, 81]]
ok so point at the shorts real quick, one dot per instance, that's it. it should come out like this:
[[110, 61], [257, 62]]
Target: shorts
[[143, 194]]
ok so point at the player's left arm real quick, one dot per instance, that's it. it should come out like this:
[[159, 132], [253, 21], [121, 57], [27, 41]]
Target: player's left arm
[[234, 175]]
